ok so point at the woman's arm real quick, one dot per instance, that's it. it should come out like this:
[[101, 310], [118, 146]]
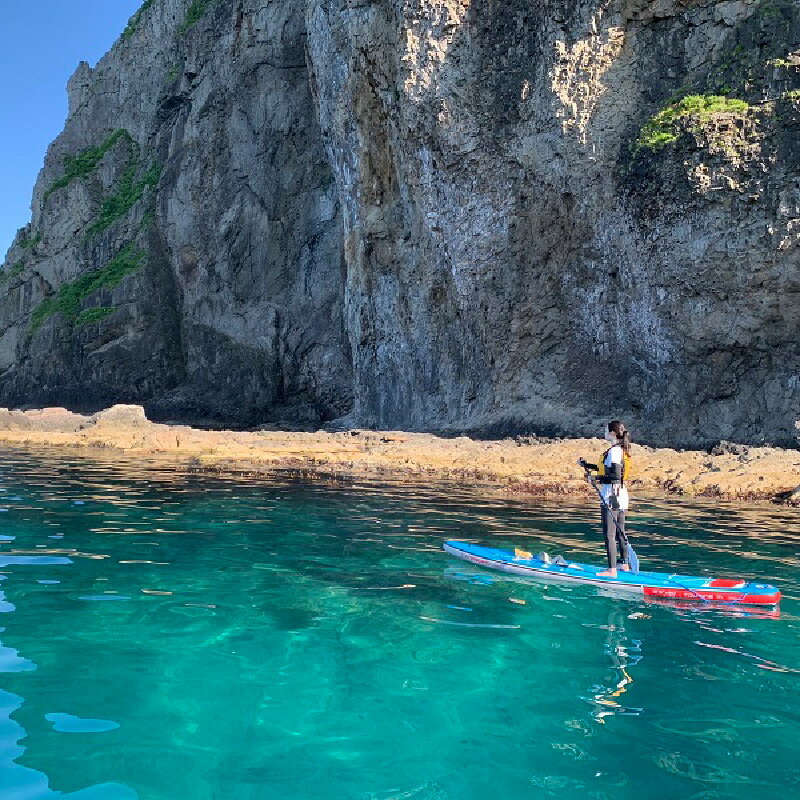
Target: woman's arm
[[613, 474], [612, 463]]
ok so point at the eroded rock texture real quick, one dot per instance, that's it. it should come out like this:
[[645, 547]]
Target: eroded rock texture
[[444, 214]]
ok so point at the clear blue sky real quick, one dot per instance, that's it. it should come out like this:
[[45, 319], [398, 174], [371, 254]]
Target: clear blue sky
[[41, 43]]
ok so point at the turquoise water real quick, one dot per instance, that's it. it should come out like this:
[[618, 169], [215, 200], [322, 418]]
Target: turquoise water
[[169, 636]]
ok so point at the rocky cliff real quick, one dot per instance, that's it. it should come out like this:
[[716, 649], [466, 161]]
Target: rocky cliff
[[429, 214], [185, 249]]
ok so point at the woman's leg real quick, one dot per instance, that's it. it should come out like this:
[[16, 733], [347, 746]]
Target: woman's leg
[[610, 535], [622, 538]]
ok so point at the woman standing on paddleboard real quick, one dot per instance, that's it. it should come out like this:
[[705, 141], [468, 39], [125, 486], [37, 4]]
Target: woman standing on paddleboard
[[611, 474]]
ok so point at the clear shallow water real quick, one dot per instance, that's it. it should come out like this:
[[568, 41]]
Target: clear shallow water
[[166, 636]]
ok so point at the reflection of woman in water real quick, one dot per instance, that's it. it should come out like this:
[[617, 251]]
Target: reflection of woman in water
[[624, 654]]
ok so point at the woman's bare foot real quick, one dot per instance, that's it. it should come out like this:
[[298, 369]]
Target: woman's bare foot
[[625, 567], [608, 573]]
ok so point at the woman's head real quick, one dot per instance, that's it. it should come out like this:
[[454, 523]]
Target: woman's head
[[616, 433]]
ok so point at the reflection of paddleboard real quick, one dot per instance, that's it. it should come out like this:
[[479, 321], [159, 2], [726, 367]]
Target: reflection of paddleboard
[[649, 584]]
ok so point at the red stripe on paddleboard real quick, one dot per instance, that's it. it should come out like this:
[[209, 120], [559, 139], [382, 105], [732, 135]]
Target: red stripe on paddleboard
[[769, 599], [721, 597], [726, 583]]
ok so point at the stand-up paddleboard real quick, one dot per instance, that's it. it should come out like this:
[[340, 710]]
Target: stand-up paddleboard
[[649, 584]]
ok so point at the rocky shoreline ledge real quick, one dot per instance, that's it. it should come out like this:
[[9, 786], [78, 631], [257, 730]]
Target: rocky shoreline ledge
[[519, 466]]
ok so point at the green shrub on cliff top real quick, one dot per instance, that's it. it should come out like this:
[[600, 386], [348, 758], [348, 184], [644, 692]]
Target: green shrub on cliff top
[[133, 22], [662, 129], [67, 300], [83, 164]]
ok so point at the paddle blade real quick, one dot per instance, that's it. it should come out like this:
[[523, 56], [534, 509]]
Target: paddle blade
[[633, 559]]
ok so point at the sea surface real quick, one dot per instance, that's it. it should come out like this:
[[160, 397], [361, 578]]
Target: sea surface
[[168, 636]]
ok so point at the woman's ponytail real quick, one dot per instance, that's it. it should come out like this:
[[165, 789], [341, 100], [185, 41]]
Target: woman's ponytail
[[619, 430]]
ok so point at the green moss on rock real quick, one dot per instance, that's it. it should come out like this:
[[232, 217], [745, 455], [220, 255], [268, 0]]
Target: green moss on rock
[[662, 128], [129, 190], [69, 297], [83, 164], [133, 22], [127, 194], [196, 10], [91, 316], [29, 244], [12, 272]]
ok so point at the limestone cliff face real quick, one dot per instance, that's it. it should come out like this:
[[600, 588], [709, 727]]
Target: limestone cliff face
[[432, 214], [519, 251], [202, 164]]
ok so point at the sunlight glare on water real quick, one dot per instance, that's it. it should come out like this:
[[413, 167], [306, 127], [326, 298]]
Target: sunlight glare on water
[[169, 636]]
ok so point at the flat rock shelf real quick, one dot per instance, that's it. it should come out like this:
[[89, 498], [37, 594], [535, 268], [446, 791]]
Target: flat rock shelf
[[522, 466]]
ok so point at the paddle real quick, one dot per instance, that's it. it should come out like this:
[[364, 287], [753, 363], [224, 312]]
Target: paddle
[[632, 558]]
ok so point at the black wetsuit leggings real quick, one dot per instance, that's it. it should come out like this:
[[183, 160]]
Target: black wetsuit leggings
[[615, 537]]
